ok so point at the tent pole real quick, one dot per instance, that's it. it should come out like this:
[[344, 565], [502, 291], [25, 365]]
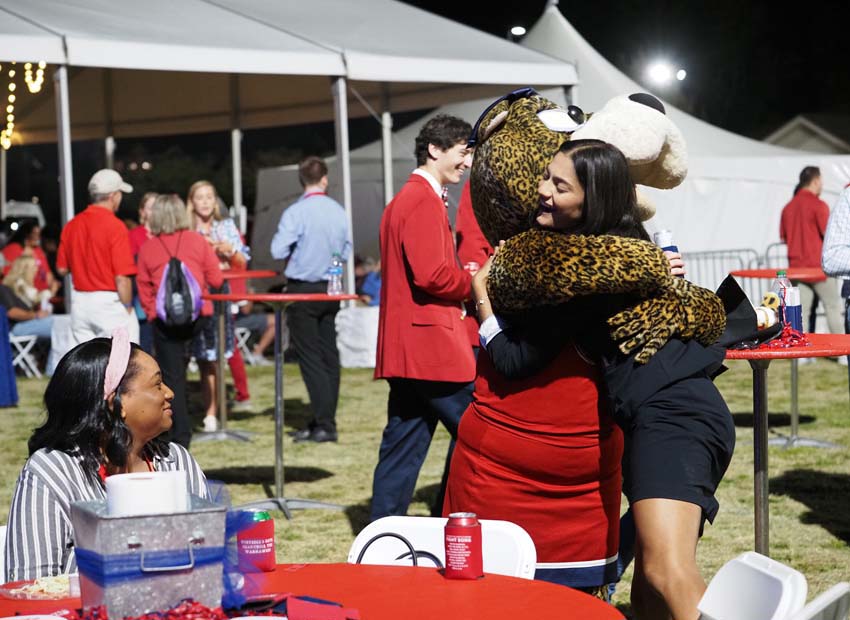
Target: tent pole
[[338, 88], [66, 177], [109, 149], [236, 153], [387, 147], [3, 190], [109, 142]]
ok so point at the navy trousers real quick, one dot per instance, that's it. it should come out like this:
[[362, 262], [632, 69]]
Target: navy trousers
[[413, 410]]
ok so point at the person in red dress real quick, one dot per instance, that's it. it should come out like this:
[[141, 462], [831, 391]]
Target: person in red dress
[[138, 236], [142, 232]]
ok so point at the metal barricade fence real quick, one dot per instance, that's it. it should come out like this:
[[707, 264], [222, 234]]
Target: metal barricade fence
[[709, 269], [775, 256]]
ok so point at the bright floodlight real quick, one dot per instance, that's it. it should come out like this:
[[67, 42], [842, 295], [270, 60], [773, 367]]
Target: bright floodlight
[[660, 72], [518, 31], [681, 74]]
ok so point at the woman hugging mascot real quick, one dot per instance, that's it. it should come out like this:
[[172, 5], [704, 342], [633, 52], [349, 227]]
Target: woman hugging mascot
[[589, 344]]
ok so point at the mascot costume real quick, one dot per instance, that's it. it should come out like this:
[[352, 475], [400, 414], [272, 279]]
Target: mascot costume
[[598, 325]]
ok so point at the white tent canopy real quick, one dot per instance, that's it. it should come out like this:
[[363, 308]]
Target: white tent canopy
[[736, 187], [163, 67]]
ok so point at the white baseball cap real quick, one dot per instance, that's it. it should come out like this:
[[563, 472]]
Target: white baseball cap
[[107, 181]]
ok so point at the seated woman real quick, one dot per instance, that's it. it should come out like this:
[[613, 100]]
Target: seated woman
[[29, 312], [106, 408]]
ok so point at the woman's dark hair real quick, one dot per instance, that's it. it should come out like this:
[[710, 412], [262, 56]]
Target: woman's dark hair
[[25, 229], [610, 202], [443, 131], [78, 417], [807, 175]]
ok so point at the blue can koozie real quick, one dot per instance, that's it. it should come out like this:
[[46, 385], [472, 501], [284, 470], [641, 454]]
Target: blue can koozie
[[793, 311]]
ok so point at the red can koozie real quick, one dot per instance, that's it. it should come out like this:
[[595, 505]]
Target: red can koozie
[[463, 547], [256, 545]]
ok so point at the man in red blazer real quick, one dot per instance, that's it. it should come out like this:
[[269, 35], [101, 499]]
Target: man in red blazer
[[423, 348]]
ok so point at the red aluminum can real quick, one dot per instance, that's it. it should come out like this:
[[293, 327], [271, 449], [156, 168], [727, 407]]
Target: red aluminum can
[[256, 545], [463, 546], [472, 267]]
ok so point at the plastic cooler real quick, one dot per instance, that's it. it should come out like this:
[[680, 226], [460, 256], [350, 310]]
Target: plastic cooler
[[135, 565]]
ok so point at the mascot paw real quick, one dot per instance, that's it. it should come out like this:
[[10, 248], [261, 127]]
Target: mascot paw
[[684, 310]]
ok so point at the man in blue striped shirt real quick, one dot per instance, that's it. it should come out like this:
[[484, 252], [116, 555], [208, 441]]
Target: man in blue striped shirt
[[310, 232]]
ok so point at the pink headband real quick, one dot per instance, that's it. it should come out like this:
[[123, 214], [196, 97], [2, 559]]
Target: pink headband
[[119, 358]]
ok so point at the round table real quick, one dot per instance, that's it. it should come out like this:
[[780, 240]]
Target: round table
[[393, 592], [278, 301], [800, 274], [221, 392], [820, 345]]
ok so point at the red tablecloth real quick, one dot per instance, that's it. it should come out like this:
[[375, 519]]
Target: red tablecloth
[[407, 593], [803, 274], [820, 345]]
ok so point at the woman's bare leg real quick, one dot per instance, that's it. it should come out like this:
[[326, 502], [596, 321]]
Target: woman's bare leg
[[667, 580]]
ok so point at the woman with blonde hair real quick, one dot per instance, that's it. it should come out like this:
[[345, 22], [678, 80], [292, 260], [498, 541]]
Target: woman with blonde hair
[[28, 316], [21, 279], [206, 217], [169, 225]]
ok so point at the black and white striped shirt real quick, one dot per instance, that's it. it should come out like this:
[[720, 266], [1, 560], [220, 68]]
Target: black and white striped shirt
[[40, 536]]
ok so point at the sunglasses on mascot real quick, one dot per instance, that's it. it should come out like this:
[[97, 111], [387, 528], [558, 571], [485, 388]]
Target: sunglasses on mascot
[[556, 119]]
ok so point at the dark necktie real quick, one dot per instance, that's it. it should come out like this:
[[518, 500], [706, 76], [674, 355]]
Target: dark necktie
[[445, 195]]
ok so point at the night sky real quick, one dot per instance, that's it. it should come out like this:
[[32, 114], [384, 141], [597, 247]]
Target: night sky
[[751, 65]]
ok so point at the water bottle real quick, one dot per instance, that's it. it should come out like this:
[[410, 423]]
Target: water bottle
[[335, 276], [781, 284]]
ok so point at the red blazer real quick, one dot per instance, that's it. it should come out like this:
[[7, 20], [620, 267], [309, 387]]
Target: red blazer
[[421, 333], [471, 247]]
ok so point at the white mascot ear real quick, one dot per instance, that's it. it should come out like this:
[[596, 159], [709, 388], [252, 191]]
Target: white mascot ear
[[645, 208], [652, 144]]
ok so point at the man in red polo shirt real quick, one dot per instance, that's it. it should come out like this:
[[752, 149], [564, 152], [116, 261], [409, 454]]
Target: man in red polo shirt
[[802, 228], [95, 249]]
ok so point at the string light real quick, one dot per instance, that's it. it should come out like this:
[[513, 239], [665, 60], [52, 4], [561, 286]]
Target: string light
[[34, 84]]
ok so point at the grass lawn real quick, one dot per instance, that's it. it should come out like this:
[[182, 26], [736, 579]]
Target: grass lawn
[[809, 488]]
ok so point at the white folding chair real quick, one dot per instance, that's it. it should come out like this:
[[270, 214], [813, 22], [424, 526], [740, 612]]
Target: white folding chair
[[23, 355], [507, 549], [834, 604], [242, 335], [753, 586]]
